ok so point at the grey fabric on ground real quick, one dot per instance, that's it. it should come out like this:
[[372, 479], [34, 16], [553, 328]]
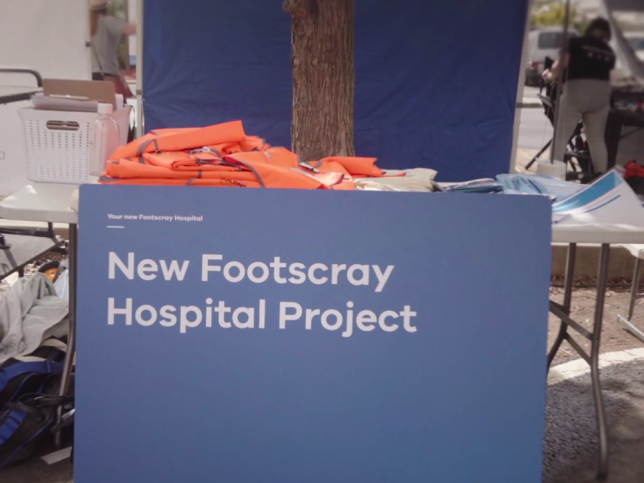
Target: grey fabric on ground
[[30, 313]]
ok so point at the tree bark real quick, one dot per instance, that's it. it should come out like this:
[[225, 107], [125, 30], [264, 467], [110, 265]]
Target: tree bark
[[323, 77]]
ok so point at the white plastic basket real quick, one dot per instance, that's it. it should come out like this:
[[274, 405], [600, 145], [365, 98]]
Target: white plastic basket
[[57, 143]]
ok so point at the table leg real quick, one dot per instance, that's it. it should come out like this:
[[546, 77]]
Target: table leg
[[636, 282], [563, 328], [563, 313], [612, 137], [71, 338], [626, 322], [602, 278]]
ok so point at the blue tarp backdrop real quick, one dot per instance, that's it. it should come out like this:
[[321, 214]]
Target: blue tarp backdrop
[[435, 81]]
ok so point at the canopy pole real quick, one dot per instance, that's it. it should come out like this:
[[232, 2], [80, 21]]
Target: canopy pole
[[139, 68], [520, 89], [559, 88], [88, 45]]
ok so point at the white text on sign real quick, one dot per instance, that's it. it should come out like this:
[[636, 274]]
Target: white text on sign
[[291, 314], [257, 272], [215, 268]]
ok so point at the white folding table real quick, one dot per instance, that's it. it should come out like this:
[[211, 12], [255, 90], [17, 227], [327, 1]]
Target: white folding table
[[51, 203], [48, 202], [10, 94], [16, 93], [604, 235]]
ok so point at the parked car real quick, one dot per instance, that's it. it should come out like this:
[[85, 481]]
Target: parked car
[[636, 39], [543, 42]]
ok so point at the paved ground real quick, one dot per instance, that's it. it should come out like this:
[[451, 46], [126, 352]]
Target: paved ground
[[570, 447], [614, 338], [536, 129], [570, 440], [35, 471]]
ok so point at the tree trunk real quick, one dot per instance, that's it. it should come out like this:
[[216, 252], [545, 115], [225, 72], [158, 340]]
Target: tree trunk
[[323, 77]]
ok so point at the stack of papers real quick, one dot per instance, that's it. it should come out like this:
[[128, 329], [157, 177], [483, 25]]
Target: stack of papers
[[609, 200], [63, 103], [484, 185], [535, 184]]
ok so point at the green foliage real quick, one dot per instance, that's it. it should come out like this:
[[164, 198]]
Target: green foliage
[[116, 8], [581, 26], [552, 13]]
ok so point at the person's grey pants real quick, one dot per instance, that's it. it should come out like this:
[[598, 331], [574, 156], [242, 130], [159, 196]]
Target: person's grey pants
[[588, 100]]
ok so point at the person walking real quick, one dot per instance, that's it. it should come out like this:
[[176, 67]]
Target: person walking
[[106, 32], [587, 91]]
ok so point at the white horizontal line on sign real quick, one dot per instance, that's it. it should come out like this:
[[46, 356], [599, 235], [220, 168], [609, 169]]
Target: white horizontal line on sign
[[114, 226]]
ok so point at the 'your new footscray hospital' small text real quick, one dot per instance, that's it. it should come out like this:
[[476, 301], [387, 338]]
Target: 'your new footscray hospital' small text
[[168, 218]]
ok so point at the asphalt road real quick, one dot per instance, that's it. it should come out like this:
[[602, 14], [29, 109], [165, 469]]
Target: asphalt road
[[627, 5], [535, 129]]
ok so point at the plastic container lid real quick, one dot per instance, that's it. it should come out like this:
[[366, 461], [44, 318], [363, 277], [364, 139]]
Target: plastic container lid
[[105, 108]]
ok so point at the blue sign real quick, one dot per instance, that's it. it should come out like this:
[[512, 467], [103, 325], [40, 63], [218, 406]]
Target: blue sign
[[247, 336]]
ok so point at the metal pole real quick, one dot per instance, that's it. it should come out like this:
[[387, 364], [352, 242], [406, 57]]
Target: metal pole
[[71, 336], [558, 90], [517, 110], [602, 276], [127, 40], [88, 45], [139, 68], [635, 286], [570, 274]]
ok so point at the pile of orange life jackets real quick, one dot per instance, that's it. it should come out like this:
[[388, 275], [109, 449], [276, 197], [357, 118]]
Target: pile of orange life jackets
[[223, 155]]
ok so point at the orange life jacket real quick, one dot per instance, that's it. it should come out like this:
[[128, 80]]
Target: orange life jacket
[[245, 173], [223, 155], [224, 183], [183, 139], [352, 165]]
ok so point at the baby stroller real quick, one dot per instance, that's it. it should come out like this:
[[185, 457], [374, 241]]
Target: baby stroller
[[577, 155]]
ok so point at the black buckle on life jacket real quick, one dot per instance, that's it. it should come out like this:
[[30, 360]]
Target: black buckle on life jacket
[[205, 149], [309, 167]]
